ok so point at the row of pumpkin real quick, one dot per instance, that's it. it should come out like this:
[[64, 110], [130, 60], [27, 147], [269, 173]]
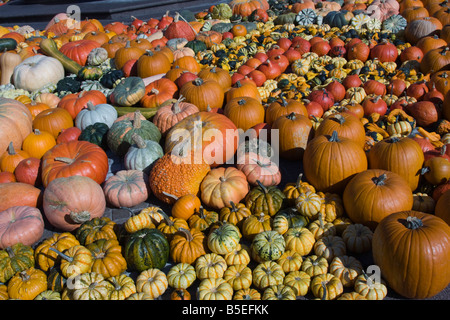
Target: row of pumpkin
[[371, 110]]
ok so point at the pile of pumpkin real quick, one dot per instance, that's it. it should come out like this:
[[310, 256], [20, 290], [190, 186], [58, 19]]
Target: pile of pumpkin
[[364, 85]]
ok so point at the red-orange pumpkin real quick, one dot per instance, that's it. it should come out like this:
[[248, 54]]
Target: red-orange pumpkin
[[75, 158]]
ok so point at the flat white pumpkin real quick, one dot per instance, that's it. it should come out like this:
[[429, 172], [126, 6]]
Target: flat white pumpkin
[[104, 113], [36, 72]]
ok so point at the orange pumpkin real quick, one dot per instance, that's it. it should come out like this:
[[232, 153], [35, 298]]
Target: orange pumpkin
[[75, 158], [158, 92], [15, 124], [75, 102], [373, 194], [221, 186], [10, 160], [245, 112], [407, 236], [79, 50], [38, 142], [198, 140], [292, 146], [172, 175], [53, 120], [203, 93], [330, 161]]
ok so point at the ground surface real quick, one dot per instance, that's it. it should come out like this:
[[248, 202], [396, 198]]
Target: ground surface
[[37, 13]]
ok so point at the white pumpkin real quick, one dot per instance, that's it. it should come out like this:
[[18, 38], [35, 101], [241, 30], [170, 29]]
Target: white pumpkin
[[36, 72], [104, 113]]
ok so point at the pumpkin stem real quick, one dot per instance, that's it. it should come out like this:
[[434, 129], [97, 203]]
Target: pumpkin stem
[[62, 255], [65, 160], [334, 137], [379, 181], [413, 223], [197, 81], [81, 216], [291, 116], [10, 252], [11, 150], [263, 187], [138, 140], [90, 105], [24, 276], [284, 103], [187, 233], [339, 118], [299, 180], [170, 195], [325, 292], [233, 207], [137, 119]]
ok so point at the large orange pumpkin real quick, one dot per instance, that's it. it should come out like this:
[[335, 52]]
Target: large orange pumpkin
[[211, 136], [203, 93], [223, 186], [53, 120], [373, 194], [79, 50], [330, 161], [75, 102], [75, 158], [245, 112], [400, 155], [246, 7], [412, 250], [294, 134]]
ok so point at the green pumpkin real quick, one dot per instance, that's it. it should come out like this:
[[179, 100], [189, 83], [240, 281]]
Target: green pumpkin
[[268, 200], [48, 295], [222, 27], [142, 154], [285, 18], [222, 11], [95, 133], [55, 280], [338, 19], [128, 92], [249, 25], [196, 45], [14, 259], [95, 229], [68, 85], [110, 78], [119, 137], [294, 218], [224, 239], [90, 73], [269, 245], [145, 249]]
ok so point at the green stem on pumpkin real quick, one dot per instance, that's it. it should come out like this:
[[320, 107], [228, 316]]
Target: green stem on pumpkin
[[334, 137], [62, 255], [138, 140], [413, 223], [187, 233], [379, 181]]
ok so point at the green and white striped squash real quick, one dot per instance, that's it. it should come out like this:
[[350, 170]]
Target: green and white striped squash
[[269, 245], [224, 239]]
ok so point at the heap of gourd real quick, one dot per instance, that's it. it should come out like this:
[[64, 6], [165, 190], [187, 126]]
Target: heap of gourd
[[354, 93]]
